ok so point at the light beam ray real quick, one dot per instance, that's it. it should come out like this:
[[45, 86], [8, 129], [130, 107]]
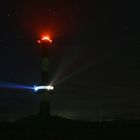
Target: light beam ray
[[80, 69], [68, 60], [62, 75], [14, 86]]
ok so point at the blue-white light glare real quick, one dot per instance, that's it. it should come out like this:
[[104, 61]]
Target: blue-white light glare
[[9, 85], [48, 88]]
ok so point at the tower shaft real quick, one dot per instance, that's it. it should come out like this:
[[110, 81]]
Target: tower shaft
[[44, 104], [45, 65]]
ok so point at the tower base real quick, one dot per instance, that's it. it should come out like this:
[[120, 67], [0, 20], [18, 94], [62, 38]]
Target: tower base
[[45, 109]]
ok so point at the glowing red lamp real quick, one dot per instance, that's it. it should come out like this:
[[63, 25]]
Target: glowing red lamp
[[44, 39]]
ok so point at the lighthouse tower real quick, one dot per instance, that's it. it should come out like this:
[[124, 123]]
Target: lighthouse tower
[[45, 45]]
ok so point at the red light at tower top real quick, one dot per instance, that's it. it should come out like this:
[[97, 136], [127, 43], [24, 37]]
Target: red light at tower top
[[44, 39]]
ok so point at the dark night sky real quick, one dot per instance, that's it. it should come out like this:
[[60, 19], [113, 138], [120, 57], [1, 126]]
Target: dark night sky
[[96, 45]]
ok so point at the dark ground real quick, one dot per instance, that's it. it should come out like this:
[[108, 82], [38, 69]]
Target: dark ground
[[57, 128]]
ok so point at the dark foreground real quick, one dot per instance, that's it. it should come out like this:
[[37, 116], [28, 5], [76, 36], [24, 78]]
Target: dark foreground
[[57, 128]]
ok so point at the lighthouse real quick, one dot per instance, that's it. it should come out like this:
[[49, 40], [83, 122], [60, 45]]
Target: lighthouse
[[44, 88]]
